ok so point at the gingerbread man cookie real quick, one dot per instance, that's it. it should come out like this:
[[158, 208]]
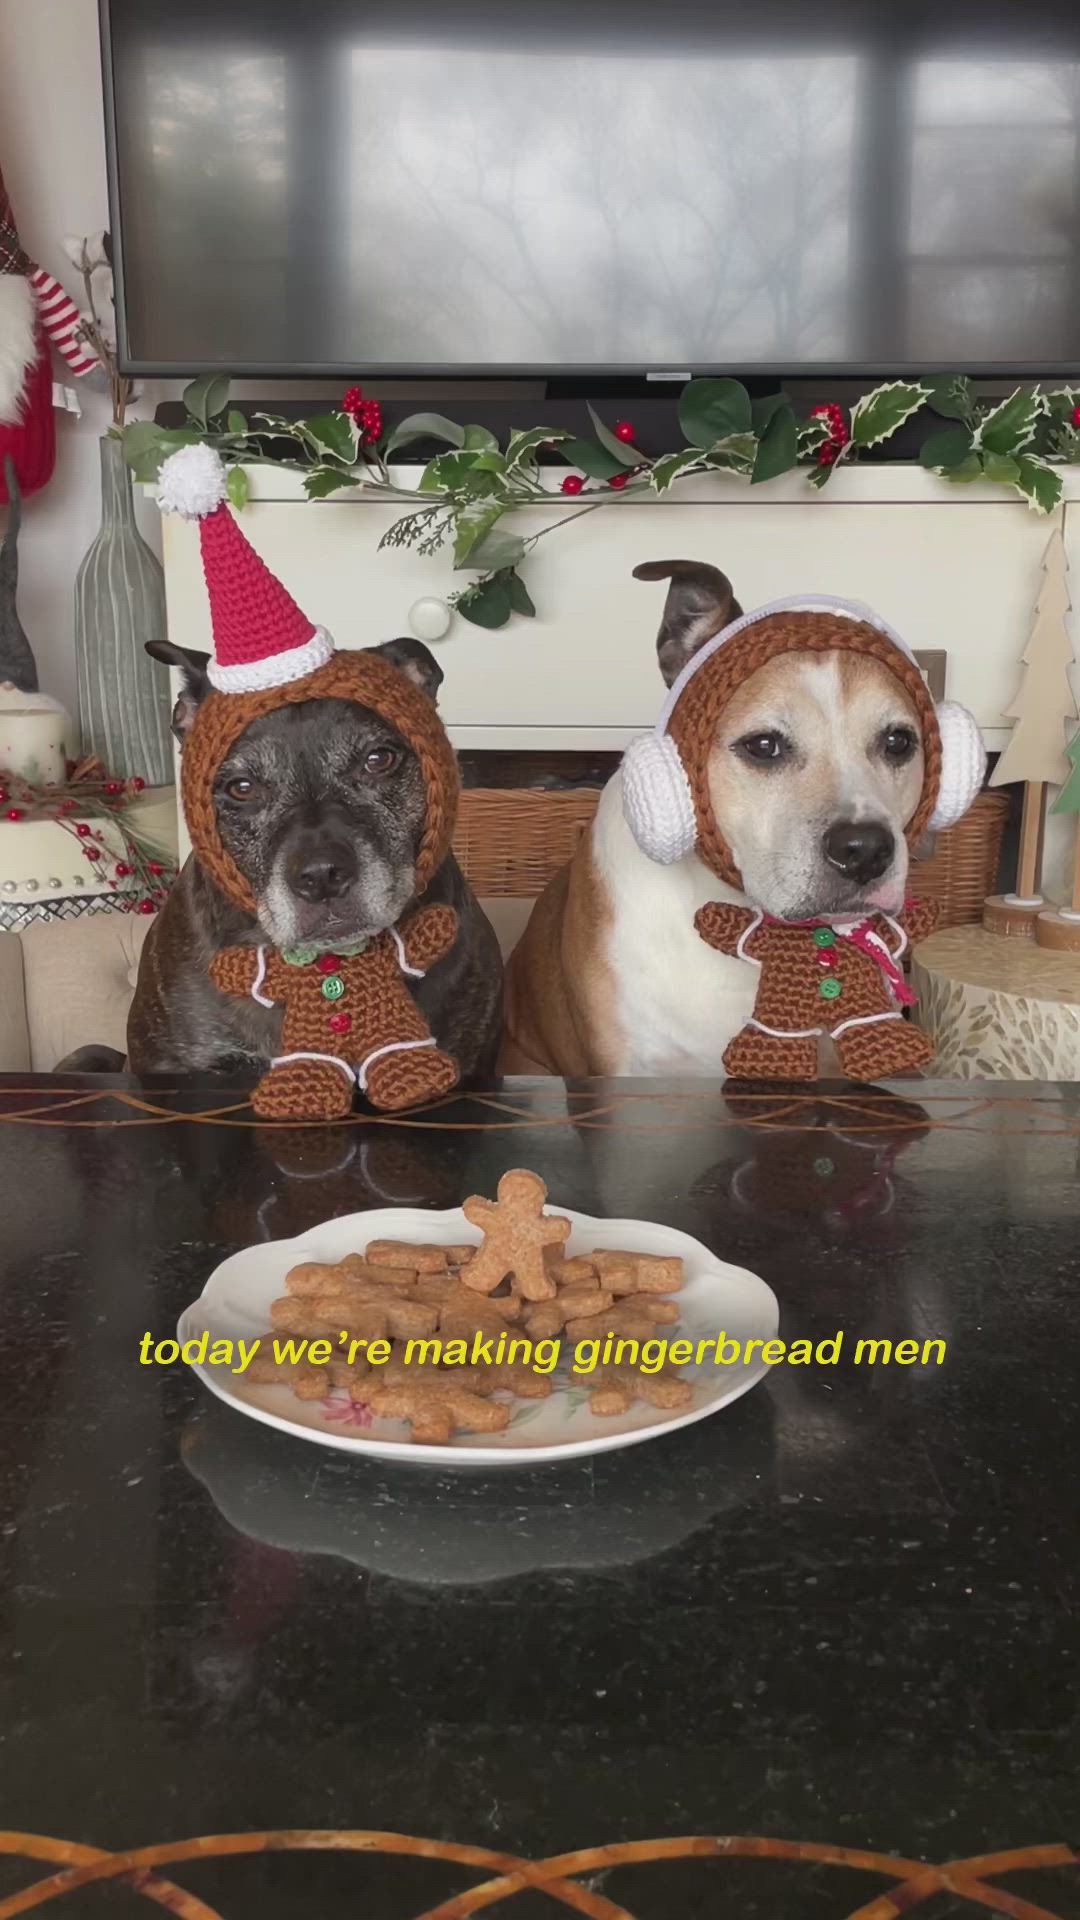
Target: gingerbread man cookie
[[517, 1233]]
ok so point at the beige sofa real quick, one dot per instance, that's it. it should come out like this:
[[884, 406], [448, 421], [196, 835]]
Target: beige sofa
[[69, 984]]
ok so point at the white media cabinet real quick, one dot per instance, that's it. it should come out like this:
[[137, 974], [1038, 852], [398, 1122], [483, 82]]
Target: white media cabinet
[[953, 567]]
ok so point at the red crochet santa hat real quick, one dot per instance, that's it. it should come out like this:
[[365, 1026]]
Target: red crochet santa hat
[[261, 638]]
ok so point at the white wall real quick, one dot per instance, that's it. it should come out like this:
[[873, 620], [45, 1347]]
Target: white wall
[[52, 153]]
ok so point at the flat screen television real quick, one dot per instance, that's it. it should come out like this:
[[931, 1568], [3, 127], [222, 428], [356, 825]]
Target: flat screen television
[[584, 187]]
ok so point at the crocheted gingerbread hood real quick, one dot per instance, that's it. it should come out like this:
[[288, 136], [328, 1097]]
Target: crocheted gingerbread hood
[[665, 773], [268, 654]]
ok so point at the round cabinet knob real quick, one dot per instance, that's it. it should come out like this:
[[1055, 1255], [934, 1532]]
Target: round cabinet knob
[[31, 886], [8, 887], [430, 620], [56, 885]]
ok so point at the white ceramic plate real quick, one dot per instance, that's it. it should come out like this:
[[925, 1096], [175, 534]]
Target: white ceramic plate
[[235, 1304]]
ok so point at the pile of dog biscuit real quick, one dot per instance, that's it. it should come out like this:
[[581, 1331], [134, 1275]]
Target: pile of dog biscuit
[[517, 1282]]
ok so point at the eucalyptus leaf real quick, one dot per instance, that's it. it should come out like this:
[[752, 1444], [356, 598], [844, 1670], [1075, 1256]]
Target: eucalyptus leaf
[[761, 411], [711, 410], [1012, 424], [520, 597], [627, 456], [487, 605], [943, 451], [968, 470], [480, 439], [596, 461], [238, 423], [878, 415], [778, 447], [207, 396], [321, 482], [667, 470], [1042, 486], [425, 426], [238, 488]]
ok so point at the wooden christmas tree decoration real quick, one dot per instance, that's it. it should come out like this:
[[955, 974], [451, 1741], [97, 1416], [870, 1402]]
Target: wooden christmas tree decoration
[[1061, 928], [1043, 707]]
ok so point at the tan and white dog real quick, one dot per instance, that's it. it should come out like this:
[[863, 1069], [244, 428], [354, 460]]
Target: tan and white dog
[[816, 768]]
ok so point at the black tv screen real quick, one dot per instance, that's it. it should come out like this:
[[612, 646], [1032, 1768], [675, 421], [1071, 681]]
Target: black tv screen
[[583, 186]]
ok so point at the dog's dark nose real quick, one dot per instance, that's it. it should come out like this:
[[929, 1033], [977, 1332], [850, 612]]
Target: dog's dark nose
[[323, 873], [859, 849]]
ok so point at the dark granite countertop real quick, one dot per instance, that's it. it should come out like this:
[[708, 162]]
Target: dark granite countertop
[[785, 1663]]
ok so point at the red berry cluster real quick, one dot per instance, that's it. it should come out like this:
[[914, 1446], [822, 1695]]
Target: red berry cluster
[[366, 413], [624, 431], [1075, 416], [839, 434]]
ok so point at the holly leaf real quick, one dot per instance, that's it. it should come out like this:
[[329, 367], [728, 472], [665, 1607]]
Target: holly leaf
[[736, 454], [491, 461], [813, 433], [712, 410], [520, 597], [944, 451], [238, 488], [879, 414], [206, 397], [474, 523], [778, 447], [668, 469], [488, 604], [1012, 424], [522, 446], [626, 456], [425, 426], [1042, 486], [497, 550], [457, 473], [480, 439], [596, 461], [320, 482], [334, 433], [1001, 468], [950, 396], [819, 477]]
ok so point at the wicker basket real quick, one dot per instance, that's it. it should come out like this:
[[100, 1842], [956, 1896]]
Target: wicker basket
[[963, 867], [510, 840]]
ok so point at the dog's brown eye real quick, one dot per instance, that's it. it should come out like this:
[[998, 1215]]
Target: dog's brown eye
[[242, 789], [898, 744], [762, 747], [381, 761]]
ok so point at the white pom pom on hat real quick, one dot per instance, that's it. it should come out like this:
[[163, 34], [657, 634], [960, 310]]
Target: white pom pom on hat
[[192, 482]]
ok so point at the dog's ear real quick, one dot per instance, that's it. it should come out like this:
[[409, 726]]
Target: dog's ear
[[196, 684], [700, 601], [416, 660]]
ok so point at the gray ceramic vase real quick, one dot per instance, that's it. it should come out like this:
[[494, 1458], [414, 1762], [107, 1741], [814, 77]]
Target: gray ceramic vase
[[124, 701]]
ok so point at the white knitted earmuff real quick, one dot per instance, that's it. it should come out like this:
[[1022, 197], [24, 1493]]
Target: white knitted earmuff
[[657, 802], [963, 764]]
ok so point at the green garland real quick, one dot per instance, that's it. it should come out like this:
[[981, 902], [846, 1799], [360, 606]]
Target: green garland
[[468, 495]]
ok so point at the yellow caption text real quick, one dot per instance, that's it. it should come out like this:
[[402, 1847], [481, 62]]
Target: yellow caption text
[[650, 1356]]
